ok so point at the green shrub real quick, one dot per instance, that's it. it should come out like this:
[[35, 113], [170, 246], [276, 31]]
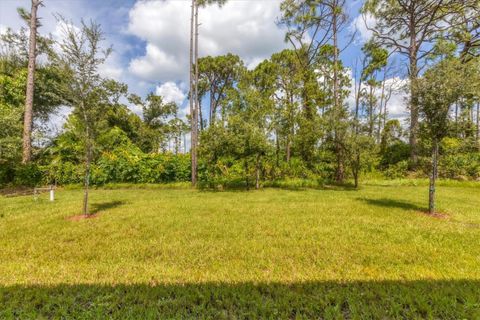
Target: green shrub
[[28, 175], [7, 174], [397, 152], [397, 170]]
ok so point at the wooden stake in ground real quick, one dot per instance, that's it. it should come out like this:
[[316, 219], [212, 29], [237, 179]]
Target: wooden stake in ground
[[32, 55]]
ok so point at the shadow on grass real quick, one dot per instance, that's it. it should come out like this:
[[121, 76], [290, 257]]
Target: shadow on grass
[[99, 207], [326, 300], [280, 186], [391, 203]]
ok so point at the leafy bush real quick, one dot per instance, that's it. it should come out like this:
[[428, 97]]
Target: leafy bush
[[28, 175], [7, 174], [460, 166], [395, 153], [397, 170]]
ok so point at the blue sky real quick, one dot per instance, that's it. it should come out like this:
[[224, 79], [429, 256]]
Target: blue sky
[[150, 38]]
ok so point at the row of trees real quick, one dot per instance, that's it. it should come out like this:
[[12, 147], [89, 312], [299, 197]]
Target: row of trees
[[303, 91], [291, 116], [68, 76]]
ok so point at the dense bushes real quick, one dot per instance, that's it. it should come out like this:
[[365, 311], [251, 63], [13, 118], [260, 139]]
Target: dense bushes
[[121, 166], [126, 163], [110, 168]]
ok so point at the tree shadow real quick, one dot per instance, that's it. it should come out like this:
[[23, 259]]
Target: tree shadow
[[420, 299], [392, 203], [279, 186], [98, 207]]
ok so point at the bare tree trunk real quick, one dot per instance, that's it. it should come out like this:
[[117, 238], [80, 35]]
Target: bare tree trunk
[[385, 111], [433, 177], [356, 170], [288, 151], [200, 117], [358, 92], [257, 173], [32, 55], [456, 118], [86, 182], [277, 149], [212, 111], [192, 97], [371, 110], [195, 109], [381, 115], [339, 174], [478, 123], [88, 159], [245, 164], [413, 112]]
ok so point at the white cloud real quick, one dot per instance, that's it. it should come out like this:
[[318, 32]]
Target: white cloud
[[398, 101], [245, 28], [397, 105], [171, 93], [361, 25], [112, 67]]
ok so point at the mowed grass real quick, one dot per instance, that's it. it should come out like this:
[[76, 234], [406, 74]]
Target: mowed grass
[[183, 253]]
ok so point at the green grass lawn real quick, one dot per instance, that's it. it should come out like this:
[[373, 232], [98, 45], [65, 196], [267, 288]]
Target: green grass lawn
[[274, 253]]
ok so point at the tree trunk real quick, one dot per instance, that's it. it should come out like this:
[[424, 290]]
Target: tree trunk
[[200, 117], [381, 115], [478, 123], [339, 174], [28, 116], [86, 182], [288, 149], [384, 119], [245, 164], [257, 173], [197, 103], [456, 118], [356, 169], [371, 110], [358, 92], [413, 75], [212, 111], [277, 149], [192, 93], [433, 177], [88, 159]]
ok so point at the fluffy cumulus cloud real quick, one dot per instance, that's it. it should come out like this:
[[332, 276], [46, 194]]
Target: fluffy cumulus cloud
[[397, 105], [171, 92], [361, 25], [246, 28]]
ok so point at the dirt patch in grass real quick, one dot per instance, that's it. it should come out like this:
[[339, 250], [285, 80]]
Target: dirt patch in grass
[[16, 192], [82, 217], [437, 215]]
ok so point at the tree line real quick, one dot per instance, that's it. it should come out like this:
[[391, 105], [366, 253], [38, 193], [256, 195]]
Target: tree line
[[302, 113]]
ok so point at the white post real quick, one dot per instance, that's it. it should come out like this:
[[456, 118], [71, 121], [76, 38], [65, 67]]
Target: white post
[[52, 194]]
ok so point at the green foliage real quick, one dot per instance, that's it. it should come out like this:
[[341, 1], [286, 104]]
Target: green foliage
[[397, 170], [458, 161], [28, 175], [126, 164], [395, 153]]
